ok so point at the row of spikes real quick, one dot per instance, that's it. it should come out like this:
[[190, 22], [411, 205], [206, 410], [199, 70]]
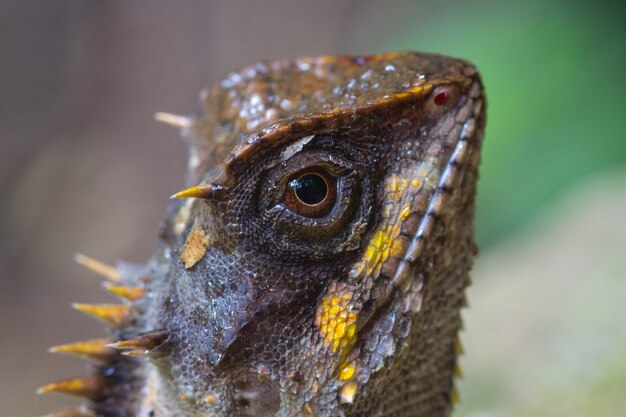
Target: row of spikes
[[102, 350], [116, 315]]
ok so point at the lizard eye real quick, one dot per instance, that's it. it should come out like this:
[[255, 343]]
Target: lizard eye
[[315, 203], [311, 193], [442, 99]]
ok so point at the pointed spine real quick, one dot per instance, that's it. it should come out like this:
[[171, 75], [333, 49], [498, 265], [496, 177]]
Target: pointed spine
[[114, 315], [174, 120], [146, 341], [142, 346], [92, 349], [197, 191], [89, 387], [127, 293], [107, 271]]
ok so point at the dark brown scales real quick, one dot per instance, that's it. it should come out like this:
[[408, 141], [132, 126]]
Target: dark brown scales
[[265, 307]]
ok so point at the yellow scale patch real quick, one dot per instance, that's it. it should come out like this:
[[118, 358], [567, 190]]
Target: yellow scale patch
[[336, 317], [386, 240], [336, 320], [346, 371]]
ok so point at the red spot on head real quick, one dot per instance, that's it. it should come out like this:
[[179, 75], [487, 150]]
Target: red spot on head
[[442, 98]]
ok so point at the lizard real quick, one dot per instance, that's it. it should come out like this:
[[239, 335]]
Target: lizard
[[316, 263]]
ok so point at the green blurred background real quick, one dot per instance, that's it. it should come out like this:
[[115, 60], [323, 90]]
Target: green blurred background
[[83, 168]]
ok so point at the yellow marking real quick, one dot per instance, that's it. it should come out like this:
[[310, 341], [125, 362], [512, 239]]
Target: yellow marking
[[386, 241], [378, 239], [347, 392], [454, 395], [458, 347], [416, 182], [346, 372], [336, 321], [404, 212], [383, 256], [372, 255], [195, 246], [398, 247], [380, 247], [308, 408], [458, 372], [210, 399], [315, 387]]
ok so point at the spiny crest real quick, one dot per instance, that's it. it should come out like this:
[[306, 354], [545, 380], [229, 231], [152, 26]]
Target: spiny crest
[[102, 350]]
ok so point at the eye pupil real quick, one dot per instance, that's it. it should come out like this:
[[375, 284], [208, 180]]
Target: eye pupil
[[311, 189]]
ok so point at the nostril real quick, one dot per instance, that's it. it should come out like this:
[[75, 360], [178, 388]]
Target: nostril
[[254, 394]]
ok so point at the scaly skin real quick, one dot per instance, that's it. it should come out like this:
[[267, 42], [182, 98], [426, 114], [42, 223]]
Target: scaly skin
[[264, 301]]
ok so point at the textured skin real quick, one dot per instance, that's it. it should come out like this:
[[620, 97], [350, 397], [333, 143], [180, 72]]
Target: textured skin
[[356, 313]]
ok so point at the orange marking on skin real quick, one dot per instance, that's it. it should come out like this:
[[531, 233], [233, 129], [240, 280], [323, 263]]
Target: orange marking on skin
[[195, 246]]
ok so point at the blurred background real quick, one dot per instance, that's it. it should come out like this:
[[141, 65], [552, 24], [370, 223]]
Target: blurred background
[[84, 168]]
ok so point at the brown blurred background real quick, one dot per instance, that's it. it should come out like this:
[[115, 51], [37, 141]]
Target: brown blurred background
[[84, 168]]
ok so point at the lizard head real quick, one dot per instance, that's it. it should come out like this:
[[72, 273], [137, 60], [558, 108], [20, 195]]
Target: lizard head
[[318, 263]]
